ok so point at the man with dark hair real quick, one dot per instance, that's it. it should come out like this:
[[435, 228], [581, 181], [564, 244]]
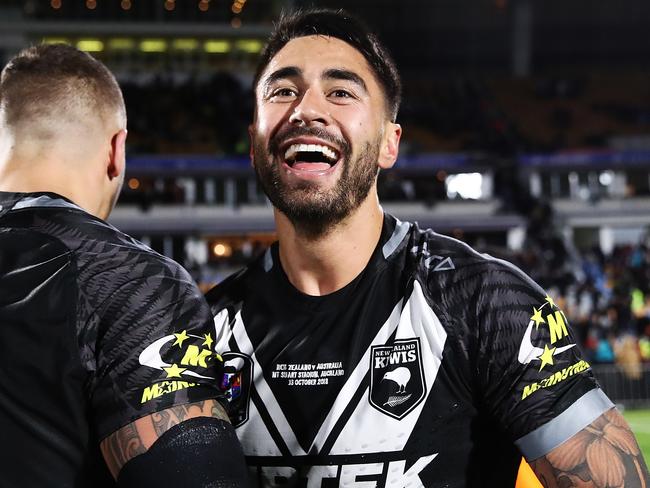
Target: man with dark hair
[[340, 27], [104, 343], [364, 351]]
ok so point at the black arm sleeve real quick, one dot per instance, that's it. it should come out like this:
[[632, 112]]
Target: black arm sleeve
[[200, 452]]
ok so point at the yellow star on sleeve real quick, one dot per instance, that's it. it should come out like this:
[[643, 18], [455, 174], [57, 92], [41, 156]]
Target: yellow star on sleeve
[[546, 357], [550, 301], [208, 340], [174, 371], [180, 338], [537, 317]]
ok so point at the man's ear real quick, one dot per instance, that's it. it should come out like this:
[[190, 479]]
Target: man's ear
[[117, 156], [390, 145]]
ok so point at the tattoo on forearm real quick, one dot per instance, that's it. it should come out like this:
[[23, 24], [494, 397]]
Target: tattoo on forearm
[[604, 454], [135, 438]]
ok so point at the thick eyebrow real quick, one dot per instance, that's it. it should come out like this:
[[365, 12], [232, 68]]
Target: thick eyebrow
[[346, 75], [329, 74], [282, 73]]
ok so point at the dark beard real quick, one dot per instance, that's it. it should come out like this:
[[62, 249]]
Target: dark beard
[[312, 211]]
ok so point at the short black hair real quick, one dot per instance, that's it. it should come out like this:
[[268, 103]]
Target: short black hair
[[341, 25]]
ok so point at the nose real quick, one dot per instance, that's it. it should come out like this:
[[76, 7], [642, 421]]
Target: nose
[[310, 109]]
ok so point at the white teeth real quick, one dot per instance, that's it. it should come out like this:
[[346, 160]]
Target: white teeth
[[291, 151]]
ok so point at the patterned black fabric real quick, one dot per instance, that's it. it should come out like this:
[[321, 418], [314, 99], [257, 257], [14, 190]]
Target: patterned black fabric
[[96, 330], [423, 371]]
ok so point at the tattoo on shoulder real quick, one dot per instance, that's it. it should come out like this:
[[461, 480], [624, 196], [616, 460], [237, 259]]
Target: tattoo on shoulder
[[603, 454]]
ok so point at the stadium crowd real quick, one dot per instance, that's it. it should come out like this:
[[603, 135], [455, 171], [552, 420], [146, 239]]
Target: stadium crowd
[[606, 297]]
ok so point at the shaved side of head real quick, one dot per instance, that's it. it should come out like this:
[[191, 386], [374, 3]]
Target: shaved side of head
[[46, 90]]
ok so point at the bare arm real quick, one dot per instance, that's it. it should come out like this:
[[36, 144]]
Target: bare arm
[[138, 436], [603, 454]]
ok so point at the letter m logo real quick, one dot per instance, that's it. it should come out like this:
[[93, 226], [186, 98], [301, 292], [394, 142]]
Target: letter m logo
[[196, 357], [557, 326], [150, 393]]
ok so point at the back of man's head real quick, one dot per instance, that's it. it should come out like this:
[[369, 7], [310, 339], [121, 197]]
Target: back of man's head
[[62, 127], [48, 89]]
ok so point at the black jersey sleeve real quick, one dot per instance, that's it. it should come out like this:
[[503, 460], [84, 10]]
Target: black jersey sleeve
[[533, 377], [149, 337]]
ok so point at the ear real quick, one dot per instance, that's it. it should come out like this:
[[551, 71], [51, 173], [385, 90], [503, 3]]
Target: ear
[[390, 145], [117, 156]]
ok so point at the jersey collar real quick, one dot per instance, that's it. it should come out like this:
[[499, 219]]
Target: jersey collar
[[393, 238]]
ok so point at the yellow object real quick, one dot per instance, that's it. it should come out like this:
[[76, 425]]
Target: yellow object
[[185, 44], [644, 347], [526, 477], [120, 43], [252, 46], [153, 45], [90, 45], [55, 40], [216, 46]]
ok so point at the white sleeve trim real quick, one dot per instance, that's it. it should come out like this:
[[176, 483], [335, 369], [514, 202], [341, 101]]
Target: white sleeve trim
[[579, 415]]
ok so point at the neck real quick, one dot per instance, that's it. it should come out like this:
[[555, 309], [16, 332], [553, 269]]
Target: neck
[[48, 175], [322, 265]]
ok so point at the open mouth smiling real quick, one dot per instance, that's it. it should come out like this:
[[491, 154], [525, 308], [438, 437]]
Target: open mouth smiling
[[311, 157]]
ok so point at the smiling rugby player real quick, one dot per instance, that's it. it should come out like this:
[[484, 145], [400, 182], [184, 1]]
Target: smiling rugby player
[[365, 351]]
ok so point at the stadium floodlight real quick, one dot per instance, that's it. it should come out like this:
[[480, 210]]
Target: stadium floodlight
[[55, 40], [90, 45], [121, 44], [216, 46], [185, 44], [252, 46], [153, 45]]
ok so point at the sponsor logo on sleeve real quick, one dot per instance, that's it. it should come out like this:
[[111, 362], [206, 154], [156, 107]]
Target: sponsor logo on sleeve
[[182, 359], [396, 377], [552, 335], [555, 378], [545, 339]]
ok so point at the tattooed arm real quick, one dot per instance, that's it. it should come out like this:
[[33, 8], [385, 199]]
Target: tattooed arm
[[137, 437], [603, 454]]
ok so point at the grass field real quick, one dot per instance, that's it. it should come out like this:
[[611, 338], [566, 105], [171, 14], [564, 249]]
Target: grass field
[[639, 421]]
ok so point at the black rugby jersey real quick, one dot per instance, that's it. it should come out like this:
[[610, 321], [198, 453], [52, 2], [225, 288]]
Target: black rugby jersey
[[96, 330], [430, 369]]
